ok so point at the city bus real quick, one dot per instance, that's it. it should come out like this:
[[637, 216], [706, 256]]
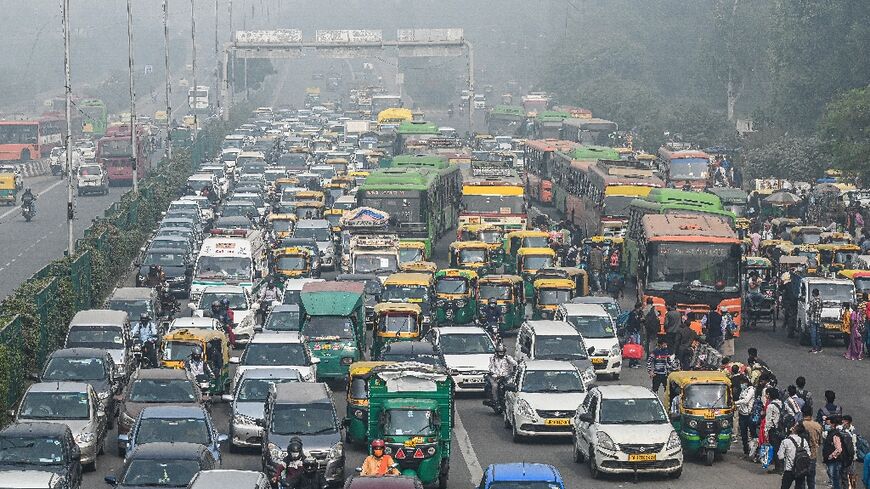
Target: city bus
[[493, 195], [94, 118], [412, 136], [548, 124], [383, 102], [535, 103], [564, 177], [115, 154], [589, 131], [505, 120], [538, 157], [685, 168], [19, 140], [691, 261], [422, 202], [198, 99]]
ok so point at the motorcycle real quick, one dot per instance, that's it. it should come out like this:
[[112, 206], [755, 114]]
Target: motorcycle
[[28, 211], [144, 353], [495, 401]]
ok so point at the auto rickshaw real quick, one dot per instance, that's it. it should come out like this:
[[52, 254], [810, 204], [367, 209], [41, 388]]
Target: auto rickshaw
[[395, 321], [176, 347], [308, 209], [838, 256], [515, 240], [411, 251], [285, 182], [412, 288], [836, 238], [282, 225], [784, 225], [766, 307], [702, 411], [741, 225], [489, 234], [577, 275], [8, 190], [812, 255], [806, 235], [861, 279], [333, 216], [310, 196], [507, 290], [334, 190], [549, 294], [529, 261], [357, 394], [426, 267], [359, 177], [455, 296], [340, 165], [772, 249], [292, 262], [471, 255]]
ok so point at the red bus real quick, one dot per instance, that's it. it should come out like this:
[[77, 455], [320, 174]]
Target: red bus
[[19, 140], [113, 152]]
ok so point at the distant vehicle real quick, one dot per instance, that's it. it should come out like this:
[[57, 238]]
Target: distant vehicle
[[39, 446], [163, 465], [198, 100]]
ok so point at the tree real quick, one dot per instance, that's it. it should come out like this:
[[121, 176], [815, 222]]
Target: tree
[[845, 130], [793, 158]]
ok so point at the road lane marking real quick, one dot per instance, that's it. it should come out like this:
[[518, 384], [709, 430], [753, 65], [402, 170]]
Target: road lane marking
[[467, 450], [50, 187]]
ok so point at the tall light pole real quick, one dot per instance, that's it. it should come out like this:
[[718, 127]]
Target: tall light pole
[[168, 79], [70, 214], [217, 59], [132, 98], [193, 45], [232, 89]]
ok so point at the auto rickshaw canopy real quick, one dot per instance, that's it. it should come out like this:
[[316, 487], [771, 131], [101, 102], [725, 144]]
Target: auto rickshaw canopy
[[409, 278]]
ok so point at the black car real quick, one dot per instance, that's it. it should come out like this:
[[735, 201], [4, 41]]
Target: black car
[[89, 365], [163, 464], [176, 266], [413, 351], [48, 447]]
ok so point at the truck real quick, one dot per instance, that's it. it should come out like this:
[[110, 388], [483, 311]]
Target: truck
[[334, 325], [377, 254], [230, 257]]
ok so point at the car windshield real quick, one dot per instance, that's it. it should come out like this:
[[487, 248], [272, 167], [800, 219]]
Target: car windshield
[[407, 255], [282, 225], [321, 327], [428, 359], [407, 422], [74, 369], [688, 168], [91, 170], [494, 291], [593, 326], [227, 267], [465, 344], [164, 259], [401, 293], [451, 285], [190, 430], [274, 354], [162, 390], [706, 396], [134, 309], [55, 405], [834, 292], [553, 296], [282, 321], [238, 301], [178, 350], [397, 323], [554, 381], [26, 450], [382, 264], [319, 234], [537, 262], [160, 473], [108, 337], [256, 390], [292, 263], [536, 242], [490, 237], [359, 388], [632, 411], [560, 348], [472, 256], [309, 419]]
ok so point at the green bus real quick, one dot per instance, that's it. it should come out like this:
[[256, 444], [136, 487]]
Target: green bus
[[94, 118], [548, 124], [505, 120], [667, 201], [410, 135], [420, 161], [422, 202]]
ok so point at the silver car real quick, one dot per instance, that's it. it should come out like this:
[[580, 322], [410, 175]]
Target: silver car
[[247, 403]]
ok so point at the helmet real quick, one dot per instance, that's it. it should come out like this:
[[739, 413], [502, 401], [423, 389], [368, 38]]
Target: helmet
[[154, 268], [500, 350], [378, 444], [216, 305], [309, 465], [144, 317], [492, 301], [225, 302]]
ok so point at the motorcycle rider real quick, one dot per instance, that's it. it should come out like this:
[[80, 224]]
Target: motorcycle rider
[[268, 295], [195, 364], [223, 315], [310, 478], [501, 367], [289, 473], [155, 276], [28, 200], [378, 463], [492, 316], [146, 332]]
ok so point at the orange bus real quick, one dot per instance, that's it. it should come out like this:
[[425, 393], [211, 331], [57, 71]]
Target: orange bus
[[686, 168], [19, 140]]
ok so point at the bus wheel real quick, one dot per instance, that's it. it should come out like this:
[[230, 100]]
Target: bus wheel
[[25, 155]]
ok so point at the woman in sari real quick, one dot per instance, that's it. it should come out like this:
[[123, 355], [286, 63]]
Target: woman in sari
[[856, 343]]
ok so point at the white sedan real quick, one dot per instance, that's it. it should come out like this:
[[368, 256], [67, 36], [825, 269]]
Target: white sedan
[[467, 351]]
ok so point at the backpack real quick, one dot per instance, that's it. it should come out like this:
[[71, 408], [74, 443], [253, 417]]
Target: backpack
[[757, 409], [862, 447], [651, 321], [848, 443], [807, 397], [788, 416], [802, 461]]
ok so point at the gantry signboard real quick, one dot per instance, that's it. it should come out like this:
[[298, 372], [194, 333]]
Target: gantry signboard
[[275, 43]]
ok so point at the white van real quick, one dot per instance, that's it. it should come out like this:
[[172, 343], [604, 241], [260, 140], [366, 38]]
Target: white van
[[833, 292], [554, 340], [599, 331], [230, 257]]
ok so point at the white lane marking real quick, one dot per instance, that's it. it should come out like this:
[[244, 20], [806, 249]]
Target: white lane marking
[[467, 450], [50, 187]]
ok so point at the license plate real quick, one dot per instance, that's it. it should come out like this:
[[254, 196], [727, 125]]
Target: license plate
[[474, 380], [598, 361], [641, 457], [557, 422]]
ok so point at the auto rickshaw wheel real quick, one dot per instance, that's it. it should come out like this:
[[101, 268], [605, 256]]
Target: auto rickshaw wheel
[[709, 456]]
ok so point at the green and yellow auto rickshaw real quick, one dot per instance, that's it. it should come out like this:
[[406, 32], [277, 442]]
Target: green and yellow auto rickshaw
[[175, 349], [292, 262], [549, 294], [357, 394], [507, 290], [411, 251], [455, 299], [282, 225], [516, 240], [702, 411], [489, 234], [411, 409], [412, 288], [427, 267], [577, 275], [395, 321], [471, 255], [8, 189], [529, 261]]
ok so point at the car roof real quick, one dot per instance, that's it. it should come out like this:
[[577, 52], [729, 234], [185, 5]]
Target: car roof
[[226, 478], [394, 482], [59, 387], [168, 451], [224, 289], [192, 321], [460, 330], [169, 412], [624, 391], [135, 293], [312, 223], [585, 310], [35, 429], [285, 308], [549, 327], [283, 337], [78, 353], [594, 299], [270, 373], [99, 317], [548, 365], [302, 393], [522, 471], [28, 479], [162, 374]]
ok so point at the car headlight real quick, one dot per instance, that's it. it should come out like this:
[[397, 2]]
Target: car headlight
[[693, 423], [84, 438], [242, 419], [615, 351], [524, 409], [726, 423], [337, 450], [276, 453], [605, 442], [673, 441], [461, 303]]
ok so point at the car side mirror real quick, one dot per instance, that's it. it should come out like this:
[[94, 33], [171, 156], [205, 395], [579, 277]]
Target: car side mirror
[[585, 417], [124, 438], [101, 414], [222, 437], [227, 397], [111, 480], [315, 360], [33, 376], [76, 453]]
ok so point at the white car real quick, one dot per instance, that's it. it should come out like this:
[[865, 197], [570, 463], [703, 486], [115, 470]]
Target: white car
[[542, 398], [87, 149], [598, 330], [194, 323], [268, 350], [624, 429], [241, 304], [467, 351]]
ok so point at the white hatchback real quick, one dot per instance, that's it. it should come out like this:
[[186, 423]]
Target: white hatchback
[[542, 398], [467, 351]]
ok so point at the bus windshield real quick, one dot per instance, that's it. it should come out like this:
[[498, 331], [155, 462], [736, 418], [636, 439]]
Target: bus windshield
[[493, 204], [700, 266], [227, 267], [689, 168]]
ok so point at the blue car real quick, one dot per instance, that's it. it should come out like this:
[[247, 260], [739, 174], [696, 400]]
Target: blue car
[[532, 476], [179, 424]]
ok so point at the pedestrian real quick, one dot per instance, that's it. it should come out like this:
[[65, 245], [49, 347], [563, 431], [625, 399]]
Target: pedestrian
[[713, 325], [856, 341], [652, 326], [596, 267], [744, 411], [829, 409], [793, 406], [851, 440], [752, 358], [660, 364], [814, 437], [832, 452], [684, 338], [773, 431], [803, 393], [755, 239], [673, 320], [633, 327], [814, 313], [794, 452]]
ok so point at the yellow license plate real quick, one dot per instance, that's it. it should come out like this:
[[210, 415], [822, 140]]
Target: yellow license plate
[[557, 422], [597, 361], [641, 457]]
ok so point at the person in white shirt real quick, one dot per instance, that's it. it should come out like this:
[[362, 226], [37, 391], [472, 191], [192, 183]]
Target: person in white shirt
[[787, 451], [744, 413]]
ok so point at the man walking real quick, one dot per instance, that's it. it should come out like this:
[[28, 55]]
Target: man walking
[[832, 452], [744, 411], [814, 437], [815, 321], [794, 452], [652, 326], [673, 320], [660, 364], [683, 339]]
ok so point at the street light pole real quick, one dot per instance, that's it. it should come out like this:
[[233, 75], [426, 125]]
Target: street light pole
[[217, 59], [193, 45], [132, 98], [168, 79], [70, 214]]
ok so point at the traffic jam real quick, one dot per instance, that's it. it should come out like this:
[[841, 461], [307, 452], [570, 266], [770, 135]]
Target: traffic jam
[[335, 280]]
